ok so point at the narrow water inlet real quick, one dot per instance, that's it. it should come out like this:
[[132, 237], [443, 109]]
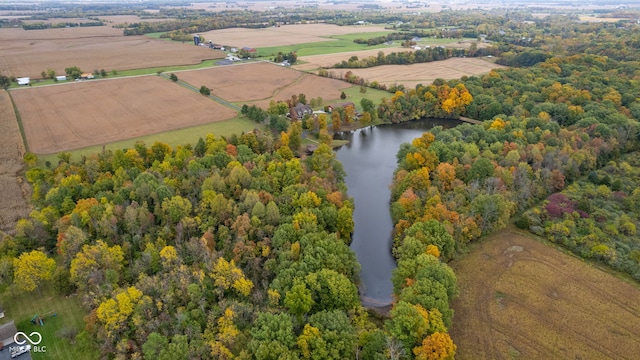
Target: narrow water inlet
[[369, 160]]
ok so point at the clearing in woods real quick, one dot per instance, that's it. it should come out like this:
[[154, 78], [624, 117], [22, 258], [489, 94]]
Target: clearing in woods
[[522, 299], [13, 189], [73, 116]]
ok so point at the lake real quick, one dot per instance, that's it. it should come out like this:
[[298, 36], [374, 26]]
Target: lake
[[369, 159]]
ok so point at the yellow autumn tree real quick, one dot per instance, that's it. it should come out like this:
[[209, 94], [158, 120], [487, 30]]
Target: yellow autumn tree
[[114, 313], [433, 250], [437, 346], [227, 330], [454, 100], [310, 336], [31, 268], [227, 275], [169, 256]]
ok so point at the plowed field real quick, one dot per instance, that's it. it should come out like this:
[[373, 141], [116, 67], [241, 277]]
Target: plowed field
[[521, 299], [425, 73], [72, 116], [28, 53], [259, 83]]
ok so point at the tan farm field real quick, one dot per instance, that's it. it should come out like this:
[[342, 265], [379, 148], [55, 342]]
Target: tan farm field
[[72, 116], [327, 60], [522, 299], [283, 35], [424, 73], [14, 193], [28, 53], [259, 83]]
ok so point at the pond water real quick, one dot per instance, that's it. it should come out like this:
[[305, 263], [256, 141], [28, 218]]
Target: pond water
[[369, 159]]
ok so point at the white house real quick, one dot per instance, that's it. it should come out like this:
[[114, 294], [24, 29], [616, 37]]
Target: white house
[[24, 81], [61, 78]]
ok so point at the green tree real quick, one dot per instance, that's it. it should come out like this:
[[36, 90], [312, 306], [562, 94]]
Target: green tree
[[5, 81], [409, 324], [154, 345], [298, 300], [176, 208], [73, 72], [272, 337], [332, 290], [205, 90], [433, 232], [173, 77], [279, 108], [30, 269], [295, 136], [335, 337], [480, 170], [368, 105]]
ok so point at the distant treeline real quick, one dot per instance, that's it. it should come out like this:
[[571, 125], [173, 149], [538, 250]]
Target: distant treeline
[[445, 33], [42, 26], [412, 57]]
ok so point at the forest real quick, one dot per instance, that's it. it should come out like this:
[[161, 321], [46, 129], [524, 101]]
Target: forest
[[238, 247], [546, 127], [229, 249], [596, 217]]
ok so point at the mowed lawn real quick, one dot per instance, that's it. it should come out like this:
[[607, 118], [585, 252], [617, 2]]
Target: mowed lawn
[[21, 307], [523, 299]]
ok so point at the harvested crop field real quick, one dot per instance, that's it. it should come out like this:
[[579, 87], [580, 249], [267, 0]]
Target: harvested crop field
[[522, 299], [72, 116], [14, 192], [283, 35], [424, 73], [28, 53], [328, 60], [259, 83]]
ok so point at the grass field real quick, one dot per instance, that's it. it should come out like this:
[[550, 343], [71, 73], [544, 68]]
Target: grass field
[[523, 299], [355, 96], [21, 307], [339, 43]]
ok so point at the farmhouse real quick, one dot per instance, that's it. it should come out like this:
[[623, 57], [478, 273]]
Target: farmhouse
[[86, 76], [61, 78], [248, 49], [300, 110], [23, 81]]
